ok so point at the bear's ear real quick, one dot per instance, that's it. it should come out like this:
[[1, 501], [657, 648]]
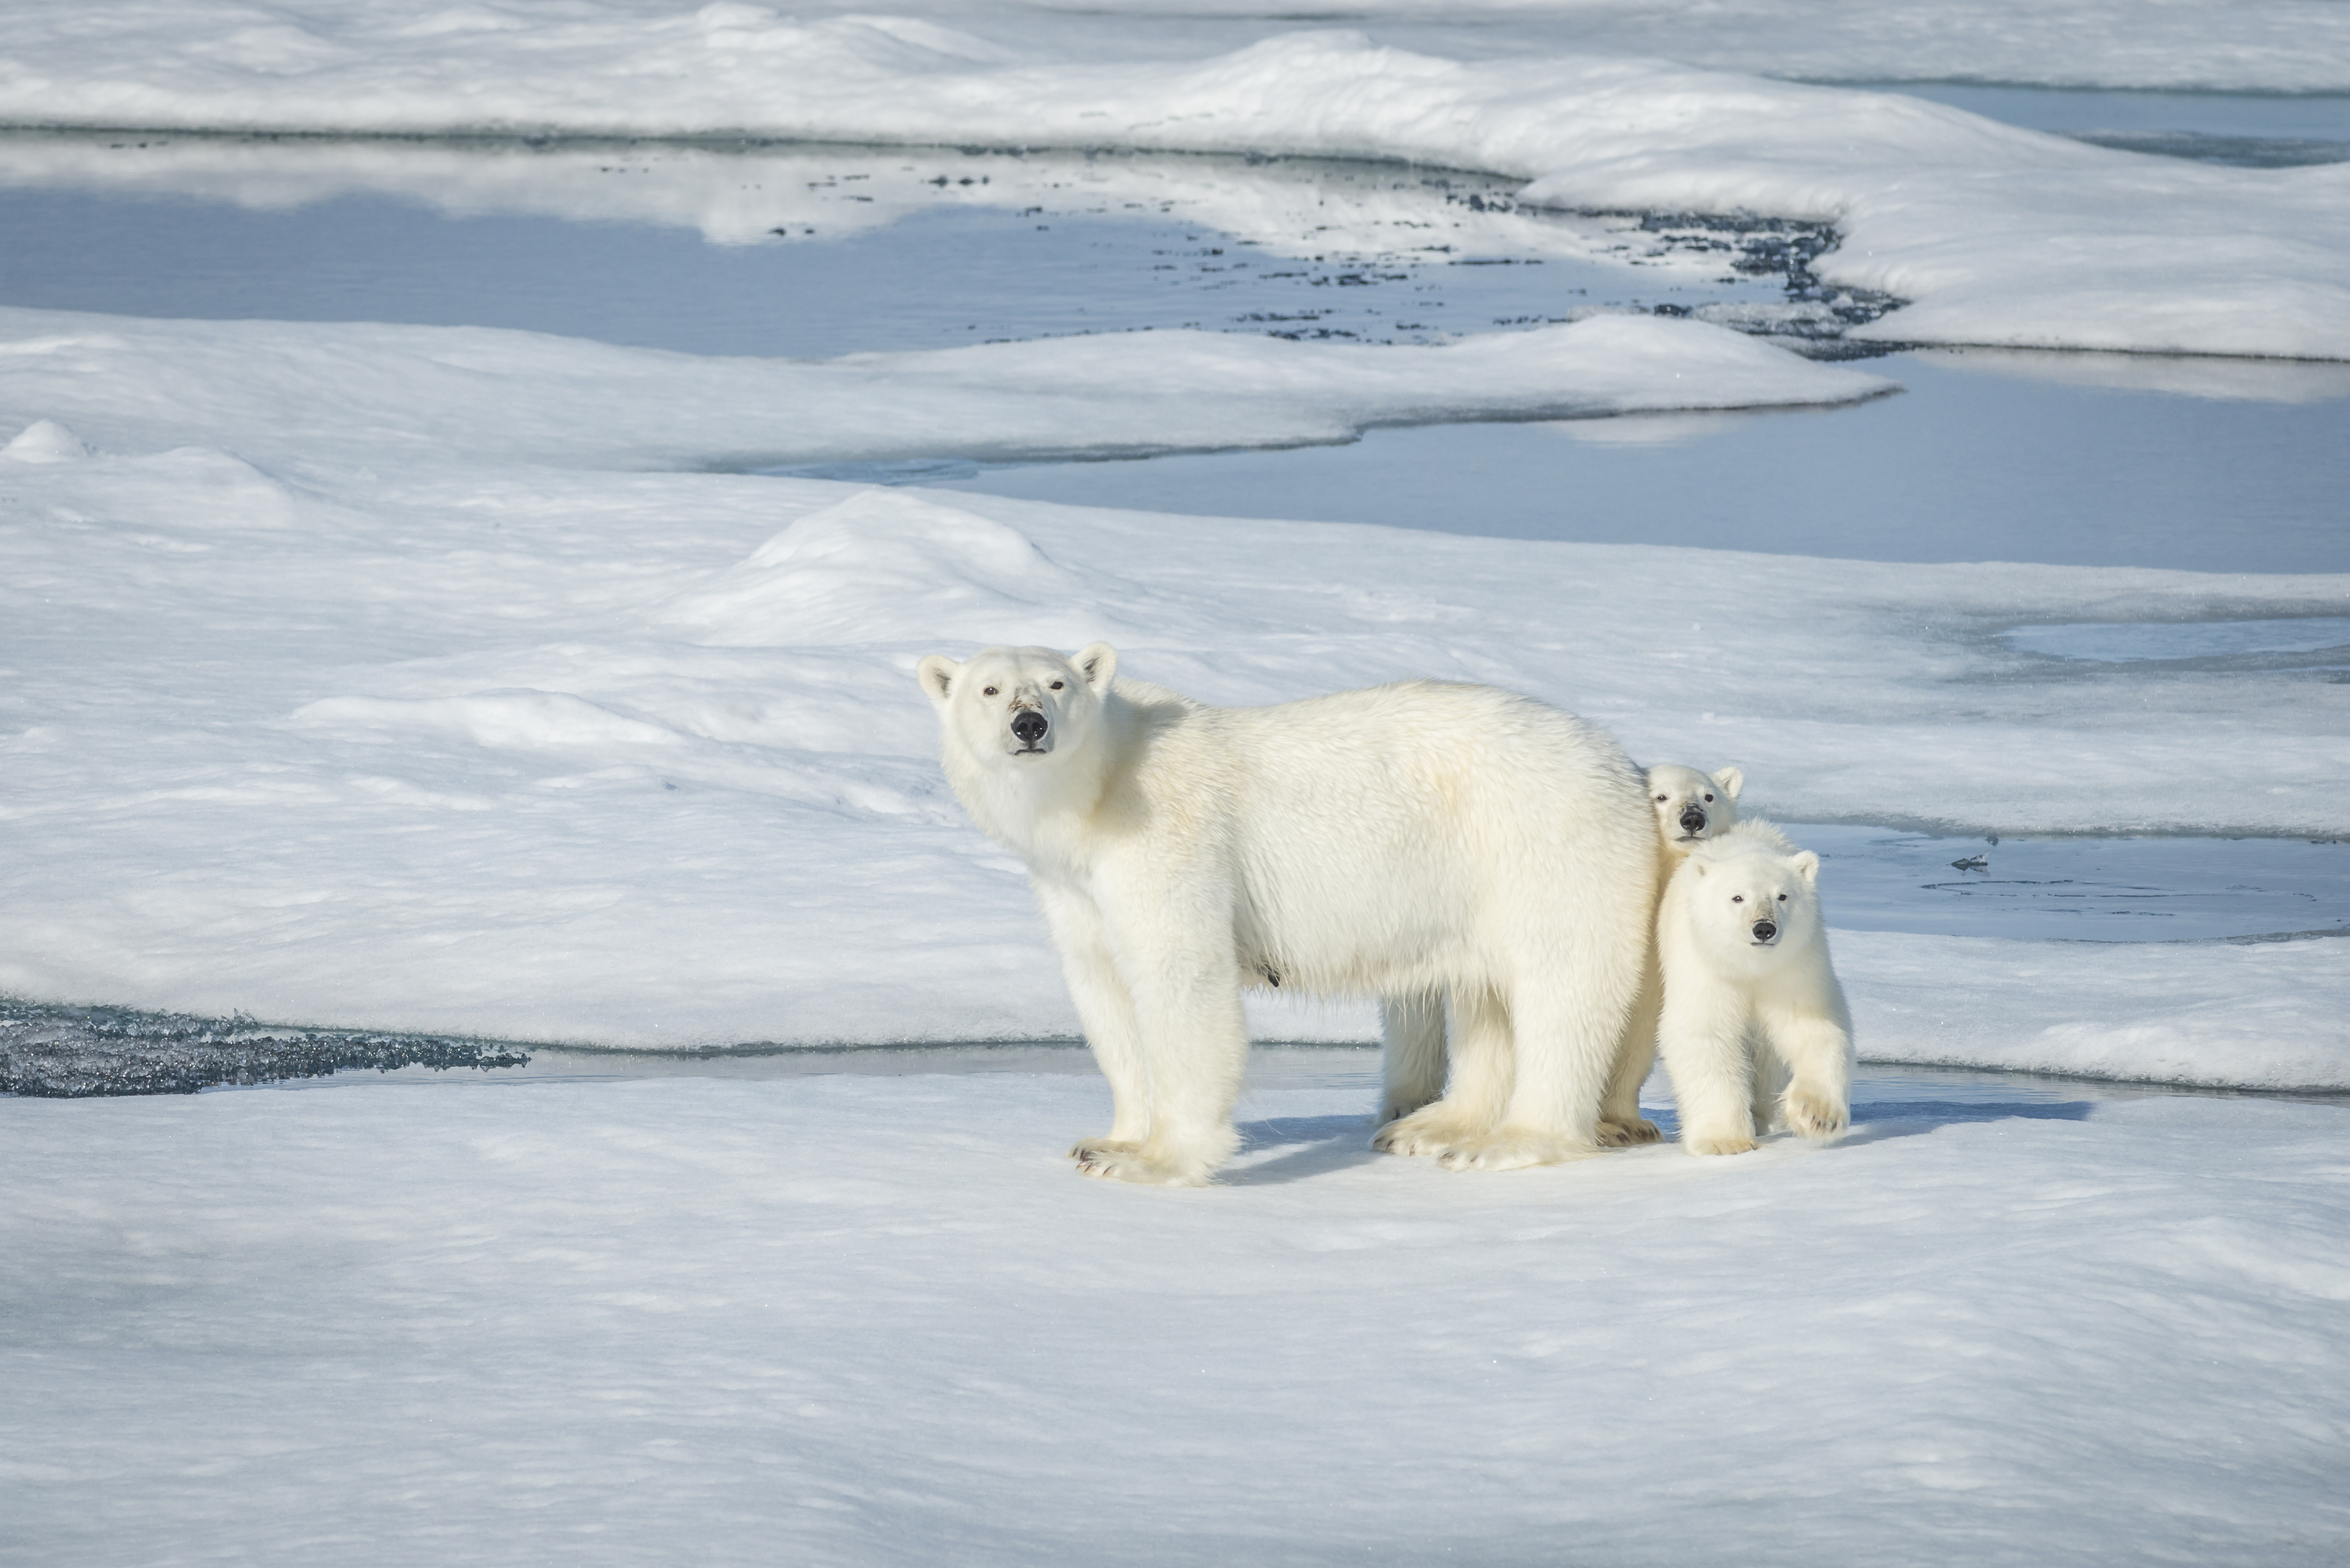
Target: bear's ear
[[1098, 663], [1808, 864], [1731, 781], [937, 673]]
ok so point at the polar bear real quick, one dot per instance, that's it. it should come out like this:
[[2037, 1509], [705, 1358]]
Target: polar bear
[[1691, 807], [1416, 840], [1749, 996]]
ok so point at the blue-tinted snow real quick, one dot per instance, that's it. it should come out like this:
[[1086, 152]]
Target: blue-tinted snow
[[2129, 641]]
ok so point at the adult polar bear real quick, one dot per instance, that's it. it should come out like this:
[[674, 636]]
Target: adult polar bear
[[1416, 840]]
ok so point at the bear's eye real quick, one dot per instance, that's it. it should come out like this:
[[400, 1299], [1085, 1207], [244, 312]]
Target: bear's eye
[[1782, 898], [1738, 897], [1057, 686], [989, 691], [1663, 798], [1709, 798]]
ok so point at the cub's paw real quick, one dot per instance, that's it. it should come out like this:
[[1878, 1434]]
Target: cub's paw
[[1623, 1135], [1514, 1148], [1128, 1162], [1086, 1147], [1717, 1143], [1817, 1115]]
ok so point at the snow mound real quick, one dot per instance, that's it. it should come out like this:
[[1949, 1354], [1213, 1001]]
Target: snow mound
[[46, 440], [889, 566]]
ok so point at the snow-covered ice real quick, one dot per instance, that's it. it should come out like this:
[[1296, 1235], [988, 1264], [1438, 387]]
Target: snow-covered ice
[[636, 758], [873, 1320], [1998, 235], [454, 679]]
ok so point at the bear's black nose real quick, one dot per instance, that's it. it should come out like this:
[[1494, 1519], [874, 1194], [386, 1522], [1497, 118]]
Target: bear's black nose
[[1764, 931], [1029, 725], [1692, 820]]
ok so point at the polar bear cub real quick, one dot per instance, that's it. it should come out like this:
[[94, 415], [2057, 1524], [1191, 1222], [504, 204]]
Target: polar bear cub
[[1750, 997], [1422, 839], [1691, 807]]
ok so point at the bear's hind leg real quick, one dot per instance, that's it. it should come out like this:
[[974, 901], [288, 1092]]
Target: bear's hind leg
[[1412, 1029], [1564, 1049], [1482, 1077], [1620, 1121]]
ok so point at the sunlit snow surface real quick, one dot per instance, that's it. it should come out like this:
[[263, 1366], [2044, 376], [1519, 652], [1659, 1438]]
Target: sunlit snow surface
[[874, 1319], [1998, 235]]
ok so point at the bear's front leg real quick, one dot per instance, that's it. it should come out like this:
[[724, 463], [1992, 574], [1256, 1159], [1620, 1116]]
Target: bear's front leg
[[1104, 1011], [1817, 1051], [1702, 1035], [1177, 961]]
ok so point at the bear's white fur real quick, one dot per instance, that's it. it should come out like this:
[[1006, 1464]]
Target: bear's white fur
[[1750, 998], [1691, 807], [1421, 840]]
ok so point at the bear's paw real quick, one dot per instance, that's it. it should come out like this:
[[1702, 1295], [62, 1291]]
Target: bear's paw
[[1086, 1147], [1514, 1148], [1431, 1130], [1717, 1143], [1143, 1168], [1816, 1116], [1625, 1135]]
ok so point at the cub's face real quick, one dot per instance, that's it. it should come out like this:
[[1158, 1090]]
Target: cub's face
[[1755, 903], [1019, 706], [1691, 806]]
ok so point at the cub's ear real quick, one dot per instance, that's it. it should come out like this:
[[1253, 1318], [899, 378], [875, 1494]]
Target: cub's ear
[[1808, 864], [938, 674], [1731, 781], [1098, 663]]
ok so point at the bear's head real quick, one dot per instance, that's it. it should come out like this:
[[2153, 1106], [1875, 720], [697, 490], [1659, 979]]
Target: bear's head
[[1691, 806], [1018, 707], [1749, 903]]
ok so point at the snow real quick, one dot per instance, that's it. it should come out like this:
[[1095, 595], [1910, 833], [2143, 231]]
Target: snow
[[455, 680], [2265, 1015], [868, 1320], [366, 394], [1999, 236], [2118, 642], [358, 718]]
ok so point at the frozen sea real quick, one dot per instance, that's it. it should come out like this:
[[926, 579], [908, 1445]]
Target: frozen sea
[[475, 483]]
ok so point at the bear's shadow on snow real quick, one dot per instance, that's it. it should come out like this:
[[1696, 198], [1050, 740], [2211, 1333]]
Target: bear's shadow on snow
[[1314, 1145], [1881, 1121], [1318, 1145]]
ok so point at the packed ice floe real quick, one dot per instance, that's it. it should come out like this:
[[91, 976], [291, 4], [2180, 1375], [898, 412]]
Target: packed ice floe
[[394, 677], [869, 1320], [1996, 235]]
